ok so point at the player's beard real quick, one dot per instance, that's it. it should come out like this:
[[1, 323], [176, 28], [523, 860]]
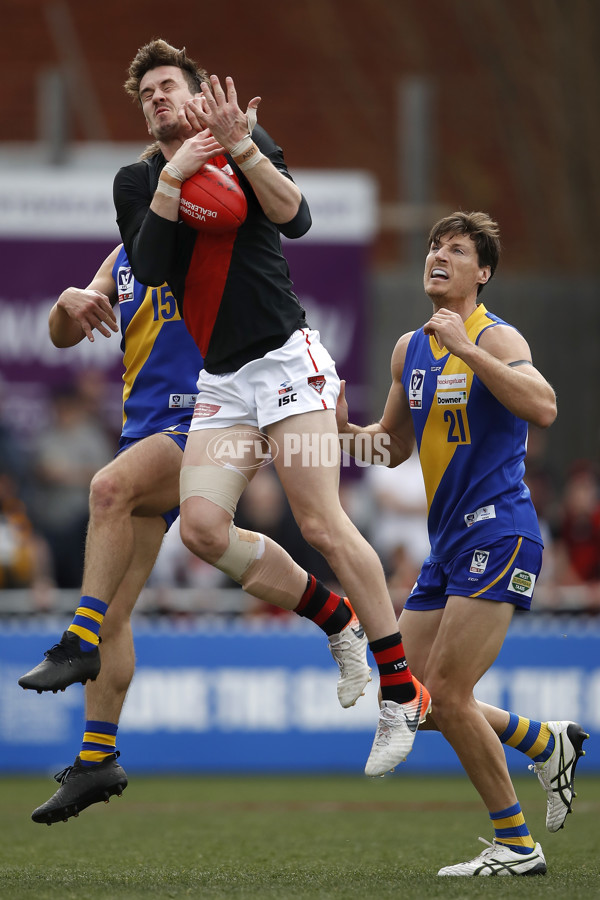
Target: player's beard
[[165, 130]]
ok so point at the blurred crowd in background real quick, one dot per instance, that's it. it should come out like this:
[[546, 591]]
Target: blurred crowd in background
[[435, 72], [44, 484]]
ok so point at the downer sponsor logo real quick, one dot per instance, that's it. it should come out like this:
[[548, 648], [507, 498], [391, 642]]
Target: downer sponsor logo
[[451, 398]]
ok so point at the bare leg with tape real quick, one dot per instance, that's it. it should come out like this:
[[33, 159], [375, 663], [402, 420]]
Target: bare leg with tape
[[209, 496], [257, 563], [263, 568]]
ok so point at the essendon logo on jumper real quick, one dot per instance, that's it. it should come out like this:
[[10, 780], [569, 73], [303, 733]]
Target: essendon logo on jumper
[[317, 382]]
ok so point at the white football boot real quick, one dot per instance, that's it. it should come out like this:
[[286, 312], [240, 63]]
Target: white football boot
[[396, 730], [557, 773], [349, 649], [499, 859]]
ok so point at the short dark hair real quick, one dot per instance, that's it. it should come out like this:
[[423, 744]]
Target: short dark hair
[[159, 53], [481, 228]]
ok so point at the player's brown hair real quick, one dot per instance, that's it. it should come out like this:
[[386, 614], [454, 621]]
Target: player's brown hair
[[159, 53], [481, 228], [151, 150]]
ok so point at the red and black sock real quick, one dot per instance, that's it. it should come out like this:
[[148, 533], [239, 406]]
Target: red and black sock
[[327, 610], [395, 677]]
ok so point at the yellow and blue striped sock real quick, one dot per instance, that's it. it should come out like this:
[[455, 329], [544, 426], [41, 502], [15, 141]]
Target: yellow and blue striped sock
[[530, 737], [510, 829], [87, 621], [99, 741]]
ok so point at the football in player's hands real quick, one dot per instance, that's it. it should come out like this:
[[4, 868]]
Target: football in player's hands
[[212, 201]]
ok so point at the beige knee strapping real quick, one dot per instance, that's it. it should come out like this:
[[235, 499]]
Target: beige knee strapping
[[263, 568], [244, 547], [222, 485]]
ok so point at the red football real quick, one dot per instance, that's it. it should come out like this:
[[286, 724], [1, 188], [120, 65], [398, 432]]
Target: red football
[[212, 201]]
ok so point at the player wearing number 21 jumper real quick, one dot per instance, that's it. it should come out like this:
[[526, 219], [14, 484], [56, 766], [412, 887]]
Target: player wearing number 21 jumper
[[236, 297], [464, 387]]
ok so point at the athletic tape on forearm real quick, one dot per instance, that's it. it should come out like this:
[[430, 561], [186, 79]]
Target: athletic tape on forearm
[[170, 190], [246, 154], [173, 171]]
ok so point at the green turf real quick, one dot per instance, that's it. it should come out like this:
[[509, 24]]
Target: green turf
[[280, 837]]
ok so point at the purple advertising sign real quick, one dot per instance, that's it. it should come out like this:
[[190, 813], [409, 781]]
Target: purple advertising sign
[[48, 243], [35, 272], [330, 281]]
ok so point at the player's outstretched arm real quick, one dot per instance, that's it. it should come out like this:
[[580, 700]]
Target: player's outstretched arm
[[78, 311], [394, 432], [217, 109]]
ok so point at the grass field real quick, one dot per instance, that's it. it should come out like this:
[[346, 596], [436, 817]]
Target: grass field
[[283, 837]]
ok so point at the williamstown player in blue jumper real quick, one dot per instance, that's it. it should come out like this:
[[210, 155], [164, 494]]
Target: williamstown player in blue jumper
[[464, 387], [133, 501]]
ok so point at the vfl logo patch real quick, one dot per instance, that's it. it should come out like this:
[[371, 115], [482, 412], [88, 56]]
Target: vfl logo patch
[[415, 390], [182, 401], [317, 382], [125, 284], [479, 562], [522, 582]]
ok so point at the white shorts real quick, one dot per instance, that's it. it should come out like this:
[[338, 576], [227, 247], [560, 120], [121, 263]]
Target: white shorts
[[296, 378]]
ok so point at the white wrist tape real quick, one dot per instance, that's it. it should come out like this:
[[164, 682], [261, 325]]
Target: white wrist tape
[[246, 154], [170, 190], [173, 171], [251, 118]]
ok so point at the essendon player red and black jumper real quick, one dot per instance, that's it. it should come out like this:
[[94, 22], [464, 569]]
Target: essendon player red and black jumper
[[233, 290]]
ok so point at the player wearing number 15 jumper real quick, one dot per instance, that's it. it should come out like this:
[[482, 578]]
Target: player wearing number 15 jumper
[[265, 372], [133, 500], [464, 387]]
